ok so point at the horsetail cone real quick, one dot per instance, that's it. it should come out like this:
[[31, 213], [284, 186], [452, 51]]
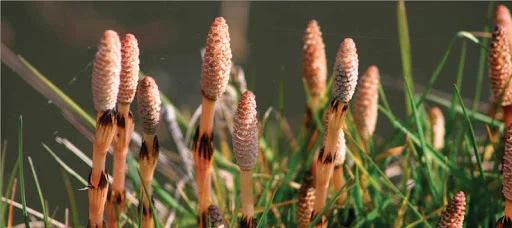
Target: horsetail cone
[[502, 18], [105, 74], [500, 67], [216, 60], [507, 165], [306, 201], [341, 150], [366, 103], [453, 215], [129, 69], [346, 71], [245, 132], [149, 104], [438, 128], [314, 63], [216, 217]]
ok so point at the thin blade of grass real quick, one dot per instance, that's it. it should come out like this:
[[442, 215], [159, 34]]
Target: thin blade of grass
[[472, 136], [482, 58], [65, 166], [14, 171], [39, 192], [460, 73], [153, 212], [2, 173], [329, 204], [20, 169], [75, 216], [405, 48], [419, 127], [263, 220], [472, 114]]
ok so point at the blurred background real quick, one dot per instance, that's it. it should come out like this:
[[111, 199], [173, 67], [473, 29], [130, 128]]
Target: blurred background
[[60, 38]]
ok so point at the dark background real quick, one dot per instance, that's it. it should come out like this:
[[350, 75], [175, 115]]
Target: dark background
[[59, 39]]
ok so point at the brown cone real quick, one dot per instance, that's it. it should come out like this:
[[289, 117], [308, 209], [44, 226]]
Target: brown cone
[[438, 127], [216, 60], [346, 71], [245, 132], [502, 18], [453, 215], [366, 103], [306, 201], [314, 63], [149, 104], [500, 67], [129, 69], [105, 73]]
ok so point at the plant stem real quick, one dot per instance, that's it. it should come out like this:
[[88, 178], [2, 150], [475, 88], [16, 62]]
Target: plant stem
[[121, 142], [203, 152], [339, 181], [246, 194], [326, 157], [98, 180], [148, 158]]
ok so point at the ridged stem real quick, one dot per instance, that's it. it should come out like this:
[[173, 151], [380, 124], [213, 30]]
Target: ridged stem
[[148, 158], [327, 155], [246, 194], [203, 153], [508, 208], [339, 181], [125, 126], [98, 179]]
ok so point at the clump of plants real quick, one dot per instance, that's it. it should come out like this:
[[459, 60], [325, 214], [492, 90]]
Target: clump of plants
[[226, 166]]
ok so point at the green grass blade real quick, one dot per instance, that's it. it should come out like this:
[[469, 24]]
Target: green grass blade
[[405, 48], [472, 114], [2, 173], [39, 192], [66, 167], [439, 158], [8, 191], [68, 101], [482, 58], [329, 204], [472, 136], [419, 128], [437, 72], [20, 169], [263, 217], [458, 83], [72, 201]]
